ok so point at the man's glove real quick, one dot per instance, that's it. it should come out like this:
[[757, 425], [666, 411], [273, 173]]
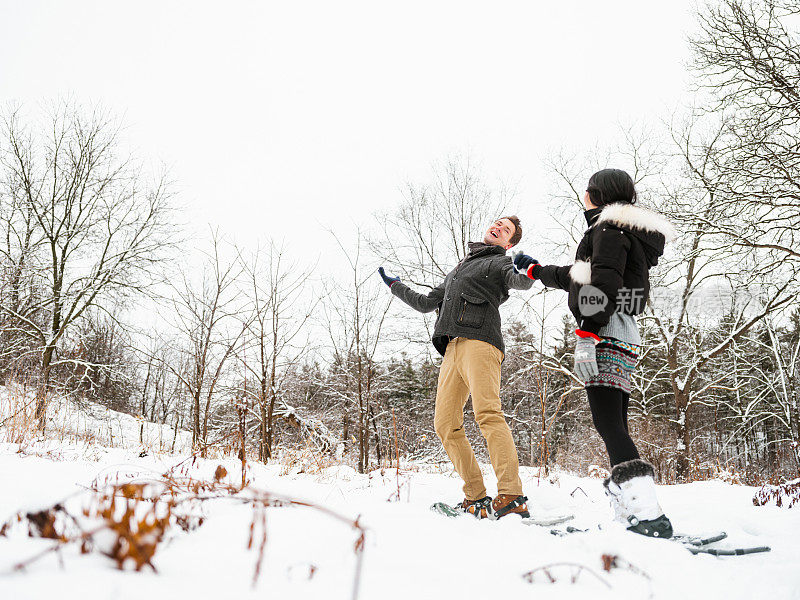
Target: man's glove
[[585, 357], [386, 279], [526, 265]]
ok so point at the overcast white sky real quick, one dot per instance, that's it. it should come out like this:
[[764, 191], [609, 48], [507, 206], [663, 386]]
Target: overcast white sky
[[268, 112]]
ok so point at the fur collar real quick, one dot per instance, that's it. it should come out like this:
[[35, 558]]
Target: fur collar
[[636, 217]]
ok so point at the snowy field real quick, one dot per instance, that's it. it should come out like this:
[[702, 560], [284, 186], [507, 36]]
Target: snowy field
[[409, 552]]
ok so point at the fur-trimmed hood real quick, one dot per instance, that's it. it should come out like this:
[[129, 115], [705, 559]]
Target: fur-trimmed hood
[[651, 228], [614, 256], [634, 217]]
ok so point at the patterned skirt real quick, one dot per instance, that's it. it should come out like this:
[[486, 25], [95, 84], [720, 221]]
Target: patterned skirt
[[615, 363]]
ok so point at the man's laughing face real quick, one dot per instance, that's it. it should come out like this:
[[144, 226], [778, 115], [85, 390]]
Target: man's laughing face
[[500, 233]]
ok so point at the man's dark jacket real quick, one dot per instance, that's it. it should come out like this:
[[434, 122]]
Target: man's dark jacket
[[469, 298], [618, 249]]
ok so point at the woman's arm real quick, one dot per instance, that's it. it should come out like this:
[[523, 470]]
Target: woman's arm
[[552, 276], [609, 255]]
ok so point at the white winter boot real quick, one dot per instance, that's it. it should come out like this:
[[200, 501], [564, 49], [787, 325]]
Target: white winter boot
[[631, 489]]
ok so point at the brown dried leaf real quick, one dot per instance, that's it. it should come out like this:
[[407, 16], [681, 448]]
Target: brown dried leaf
[[43, 524], [609, 561]]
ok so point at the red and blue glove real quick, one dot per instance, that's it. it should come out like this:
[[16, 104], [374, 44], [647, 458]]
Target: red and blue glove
[[386, 278], [527, 265]]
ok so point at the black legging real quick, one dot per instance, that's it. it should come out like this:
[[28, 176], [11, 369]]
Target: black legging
[[610, 416]]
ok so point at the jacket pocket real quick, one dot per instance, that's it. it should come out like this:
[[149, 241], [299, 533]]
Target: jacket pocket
[[471, 311]]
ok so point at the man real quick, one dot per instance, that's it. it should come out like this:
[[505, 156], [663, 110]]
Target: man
[[468, 335]]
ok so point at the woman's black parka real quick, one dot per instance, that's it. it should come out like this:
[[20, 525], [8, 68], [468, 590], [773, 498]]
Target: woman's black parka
[[612, 263]]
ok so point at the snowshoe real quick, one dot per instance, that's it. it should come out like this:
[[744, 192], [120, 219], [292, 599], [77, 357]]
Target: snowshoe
[[542, 520], [696, 544], [480, 509], [508, 504], [660, 527]]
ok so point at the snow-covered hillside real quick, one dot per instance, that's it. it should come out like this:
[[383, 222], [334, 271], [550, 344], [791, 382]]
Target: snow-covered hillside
[[85, 424], [409, 552]]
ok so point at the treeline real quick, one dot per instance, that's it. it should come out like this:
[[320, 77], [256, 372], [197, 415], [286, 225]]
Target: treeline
[[245, 350]]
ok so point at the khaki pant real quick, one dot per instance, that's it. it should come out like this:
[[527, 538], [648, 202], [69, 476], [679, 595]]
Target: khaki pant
[[472, 367]]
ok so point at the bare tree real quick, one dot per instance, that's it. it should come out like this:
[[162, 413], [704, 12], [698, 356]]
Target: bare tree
[[211, 326], [159, 390], [279, 318], [354, 315], [97, 228], [540, 391], [105, 364], [749, 288], [761, 416], [747, 61], [18, 289]]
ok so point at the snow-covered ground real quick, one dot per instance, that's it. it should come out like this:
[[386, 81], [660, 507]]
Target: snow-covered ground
[[409, 553]]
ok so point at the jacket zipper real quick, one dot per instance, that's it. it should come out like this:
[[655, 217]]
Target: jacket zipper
[[463, 310]]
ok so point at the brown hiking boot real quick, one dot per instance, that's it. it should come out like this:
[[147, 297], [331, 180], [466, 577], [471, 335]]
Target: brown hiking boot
[[508, 504], [480, 509]]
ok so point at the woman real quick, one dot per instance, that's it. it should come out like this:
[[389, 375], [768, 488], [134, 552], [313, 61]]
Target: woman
[[608, 285]]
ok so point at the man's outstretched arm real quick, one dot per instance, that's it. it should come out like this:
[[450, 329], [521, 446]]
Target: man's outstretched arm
[[423, 303], [513, 279]]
